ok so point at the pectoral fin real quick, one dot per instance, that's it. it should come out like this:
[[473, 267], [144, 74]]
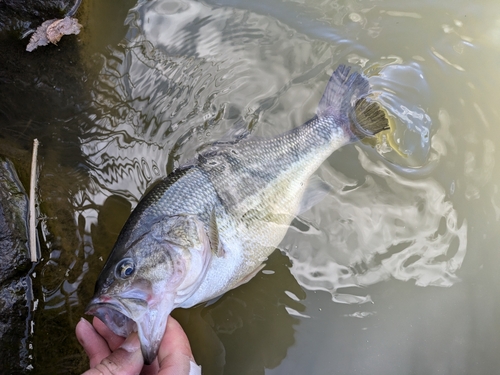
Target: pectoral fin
[[213, 236]]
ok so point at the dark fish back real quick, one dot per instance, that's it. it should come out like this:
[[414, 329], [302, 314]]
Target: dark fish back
[[184, 191]]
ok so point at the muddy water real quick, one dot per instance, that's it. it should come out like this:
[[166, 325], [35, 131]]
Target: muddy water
[[395, 272]]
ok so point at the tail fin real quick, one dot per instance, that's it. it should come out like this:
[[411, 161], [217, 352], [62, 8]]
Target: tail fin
[[367, 119], [346, 99]]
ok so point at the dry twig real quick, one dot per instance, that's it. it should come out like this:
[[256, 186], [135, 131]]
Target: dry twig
[[33, 181]]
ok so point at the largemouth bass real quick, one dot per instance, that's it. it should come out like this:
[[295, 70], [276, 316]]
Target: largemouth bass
[[209, 226]]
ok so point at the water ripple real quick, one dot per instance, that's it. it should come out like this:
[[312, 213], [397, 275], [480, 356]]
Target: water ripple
[[389, 226], [175, 85], [404, 92]]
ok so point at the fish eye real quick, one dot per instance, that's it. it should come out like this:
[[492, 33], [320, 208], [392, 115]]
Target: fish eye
[[125, 268]]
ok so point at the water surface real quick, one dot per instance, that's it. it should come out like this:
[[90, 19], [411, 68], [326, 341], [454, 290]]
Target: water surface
[[395, 272]]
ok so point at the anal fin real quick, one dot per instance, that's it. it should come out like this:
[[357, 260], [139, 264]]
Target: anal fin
[[315, 191]]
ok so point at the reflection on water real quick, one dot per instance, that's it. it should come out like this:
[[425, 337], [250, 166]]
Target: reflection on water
[[418, 207], [174, 82], [386, 226], [404, 92], [189, 74]]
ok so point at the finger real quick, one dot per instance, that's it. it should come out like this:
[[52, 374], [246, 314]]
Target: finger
[[113, 340], [175, 353], [175, 364], [94, 344], [174, 340], [125, 360]]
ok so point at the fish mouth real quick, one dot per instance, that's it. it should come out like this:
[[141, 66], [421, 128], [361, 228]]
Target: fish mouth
[[126, 315], [114, 314]]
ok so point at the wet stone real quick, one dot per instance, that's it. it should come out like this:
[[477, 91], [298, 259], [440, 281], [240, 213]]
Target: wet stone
[[14, 267]]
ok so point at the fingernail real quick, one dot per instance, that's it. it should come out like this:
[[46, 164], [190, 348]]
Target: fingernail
[[132, 343], [84, 324], [85, 321], [194, 369]]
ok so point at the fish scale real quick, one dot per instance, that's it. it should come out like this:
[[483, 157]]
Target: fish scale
[[208, 227]]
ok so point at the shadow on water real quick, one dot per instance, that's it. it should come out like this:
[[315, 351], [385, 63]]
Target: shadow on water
[[250, 329]]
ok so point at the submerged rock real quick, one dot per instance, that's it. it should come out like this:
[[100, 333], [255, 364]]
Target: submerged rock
[[15, 289]]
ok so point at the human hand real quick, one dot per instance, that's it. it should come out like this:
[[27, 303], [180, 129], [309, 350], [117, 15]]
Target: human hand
[[110, 354]]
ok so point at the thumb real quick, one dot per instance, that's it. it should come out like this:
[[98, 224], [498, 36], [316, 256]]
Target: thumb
[[175, 356], [126, 360]]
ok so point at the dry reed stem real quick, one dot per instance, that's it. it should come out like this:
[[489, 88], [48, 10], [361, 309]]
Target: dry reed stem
[[33, 182]]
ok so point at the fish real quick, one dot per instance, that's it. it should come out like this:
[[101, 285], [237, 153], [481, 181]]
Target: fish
[[210, 225]]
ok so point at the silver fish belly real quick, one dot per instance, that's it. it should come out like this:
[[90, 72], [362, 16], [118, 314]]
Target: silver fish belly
[[207, 227]]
